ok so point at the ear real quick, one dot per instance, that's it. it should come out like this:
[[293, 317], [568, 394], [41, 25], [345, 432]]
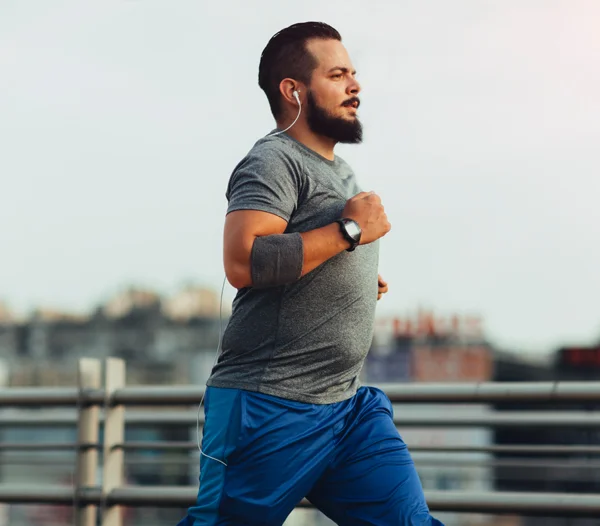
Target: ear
[[287, 87]]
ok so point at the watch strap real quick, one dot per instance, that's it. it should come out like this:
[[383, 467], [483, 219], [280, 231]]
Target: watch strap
[[353, 242]]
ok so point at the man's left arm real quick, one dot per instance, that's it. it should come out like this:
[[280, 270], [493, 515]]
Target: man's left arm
[[382, 287]]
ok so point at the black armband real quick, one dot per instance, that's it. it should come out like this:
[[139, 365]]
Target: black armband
[[276, 260]]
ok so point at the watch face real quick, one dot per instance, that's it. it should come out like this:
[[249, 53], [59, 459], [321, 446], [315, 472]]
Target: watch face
[[353, 229]]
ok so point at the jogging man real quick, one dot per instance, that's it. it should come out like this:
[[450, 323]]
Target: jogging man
[[286, 416]]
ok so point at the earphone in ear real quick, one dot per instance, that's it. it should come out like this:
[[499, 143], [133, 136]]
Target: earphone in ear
[[297, 97]]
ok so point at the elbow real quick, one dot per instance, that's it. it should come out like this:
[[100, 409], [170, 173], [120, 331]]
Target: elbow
[[237, 255], [238, 275]]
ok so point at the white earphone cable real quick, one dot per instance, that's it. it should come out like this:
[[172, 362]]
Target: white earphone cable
[[215, 361], [297, 116]]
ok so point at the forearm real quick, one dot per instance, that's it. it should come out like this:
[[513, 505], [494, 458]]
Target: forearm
[[322, 244]]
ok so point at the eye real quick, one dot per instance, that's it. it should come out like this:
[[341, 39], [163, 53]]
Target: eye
[[336, 76]]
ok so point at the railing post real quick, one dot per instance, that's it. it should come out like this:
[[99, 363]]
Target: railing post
[[114, 433], [89, 375]]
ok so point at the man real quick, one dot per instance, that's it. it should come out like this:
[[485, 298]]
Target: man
[[286, 417]]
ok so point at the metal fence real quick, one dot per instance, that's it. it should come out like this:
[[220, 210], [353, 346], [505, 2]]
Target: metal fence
[[99, 404]]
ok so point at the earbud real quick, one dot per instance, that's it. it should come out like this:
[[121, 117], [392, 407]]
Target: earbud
[[295, 94]]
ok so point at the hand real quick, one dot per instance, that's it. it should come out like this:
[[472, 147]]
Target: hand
[[382, 287], [366, 209]]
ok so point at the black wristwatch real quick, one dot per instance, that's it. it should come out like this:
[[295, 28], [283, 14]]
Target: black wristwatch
[[351, 232]]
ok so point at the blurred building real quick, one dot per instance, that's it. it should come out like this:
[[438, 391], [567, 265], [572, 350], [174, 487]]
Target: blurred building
[[165, 341], [160, 338], [6, 315]]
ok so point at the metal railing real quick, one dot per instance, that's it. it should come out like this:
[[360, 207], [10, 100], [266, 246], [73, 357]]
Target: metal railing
[[94, 406]]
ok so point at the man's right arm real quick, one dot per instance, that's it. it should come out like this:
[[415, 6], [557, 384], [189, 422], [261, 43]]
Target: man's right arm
[[244, 227]]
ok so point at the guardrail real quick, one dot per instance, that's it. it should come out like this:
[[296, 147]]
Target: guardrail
[[94, 406]]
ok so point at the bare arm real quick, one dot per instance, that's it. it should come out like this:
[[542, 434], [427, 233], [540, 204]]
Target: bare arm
[[242, 227]]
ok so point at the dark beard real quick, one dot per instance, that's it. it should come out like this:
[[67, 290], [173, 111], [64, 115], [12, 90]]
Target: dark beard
[[336, 128]]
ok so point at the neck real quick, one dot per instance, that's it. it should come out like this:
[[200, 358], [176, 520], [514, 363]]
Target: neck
[[302, 133]]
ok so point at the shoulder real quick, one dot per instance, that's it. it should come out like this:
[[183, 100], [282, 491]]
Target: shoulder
[[268, 178], [271, 158], [275, 151], [271, 161]]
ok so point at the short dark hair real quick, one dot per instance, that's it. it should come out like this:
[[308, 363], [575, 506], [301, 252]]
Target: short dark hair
[[286, 56]]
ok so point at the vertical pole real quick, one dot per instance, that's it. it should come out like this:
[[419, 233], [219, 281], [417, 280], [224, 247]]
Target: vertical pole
[[88, 377], [114, 434]]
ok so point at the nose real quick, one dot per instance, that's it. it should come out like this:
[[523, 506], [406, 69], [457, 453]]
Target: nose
[[354, 87]]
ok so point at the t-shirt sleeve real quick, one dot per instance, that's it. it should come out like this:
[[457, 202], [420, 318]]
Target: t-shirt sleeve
[[265, 180]]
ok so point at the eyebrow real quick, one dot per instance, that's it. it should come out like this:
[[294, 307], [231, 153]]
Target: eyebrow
[[342, 69]]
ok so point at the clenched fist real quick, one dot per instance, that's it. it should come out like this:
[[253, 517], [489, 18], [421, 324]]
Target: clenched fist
[[366, 209]]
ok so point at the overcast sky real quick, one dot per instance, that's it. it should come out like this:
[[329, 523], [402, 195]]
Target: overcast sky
[[120, 122]]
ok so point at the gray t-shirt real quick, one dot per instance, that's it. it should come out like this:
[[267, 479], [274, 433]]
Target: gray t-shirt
[[306, 341]]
